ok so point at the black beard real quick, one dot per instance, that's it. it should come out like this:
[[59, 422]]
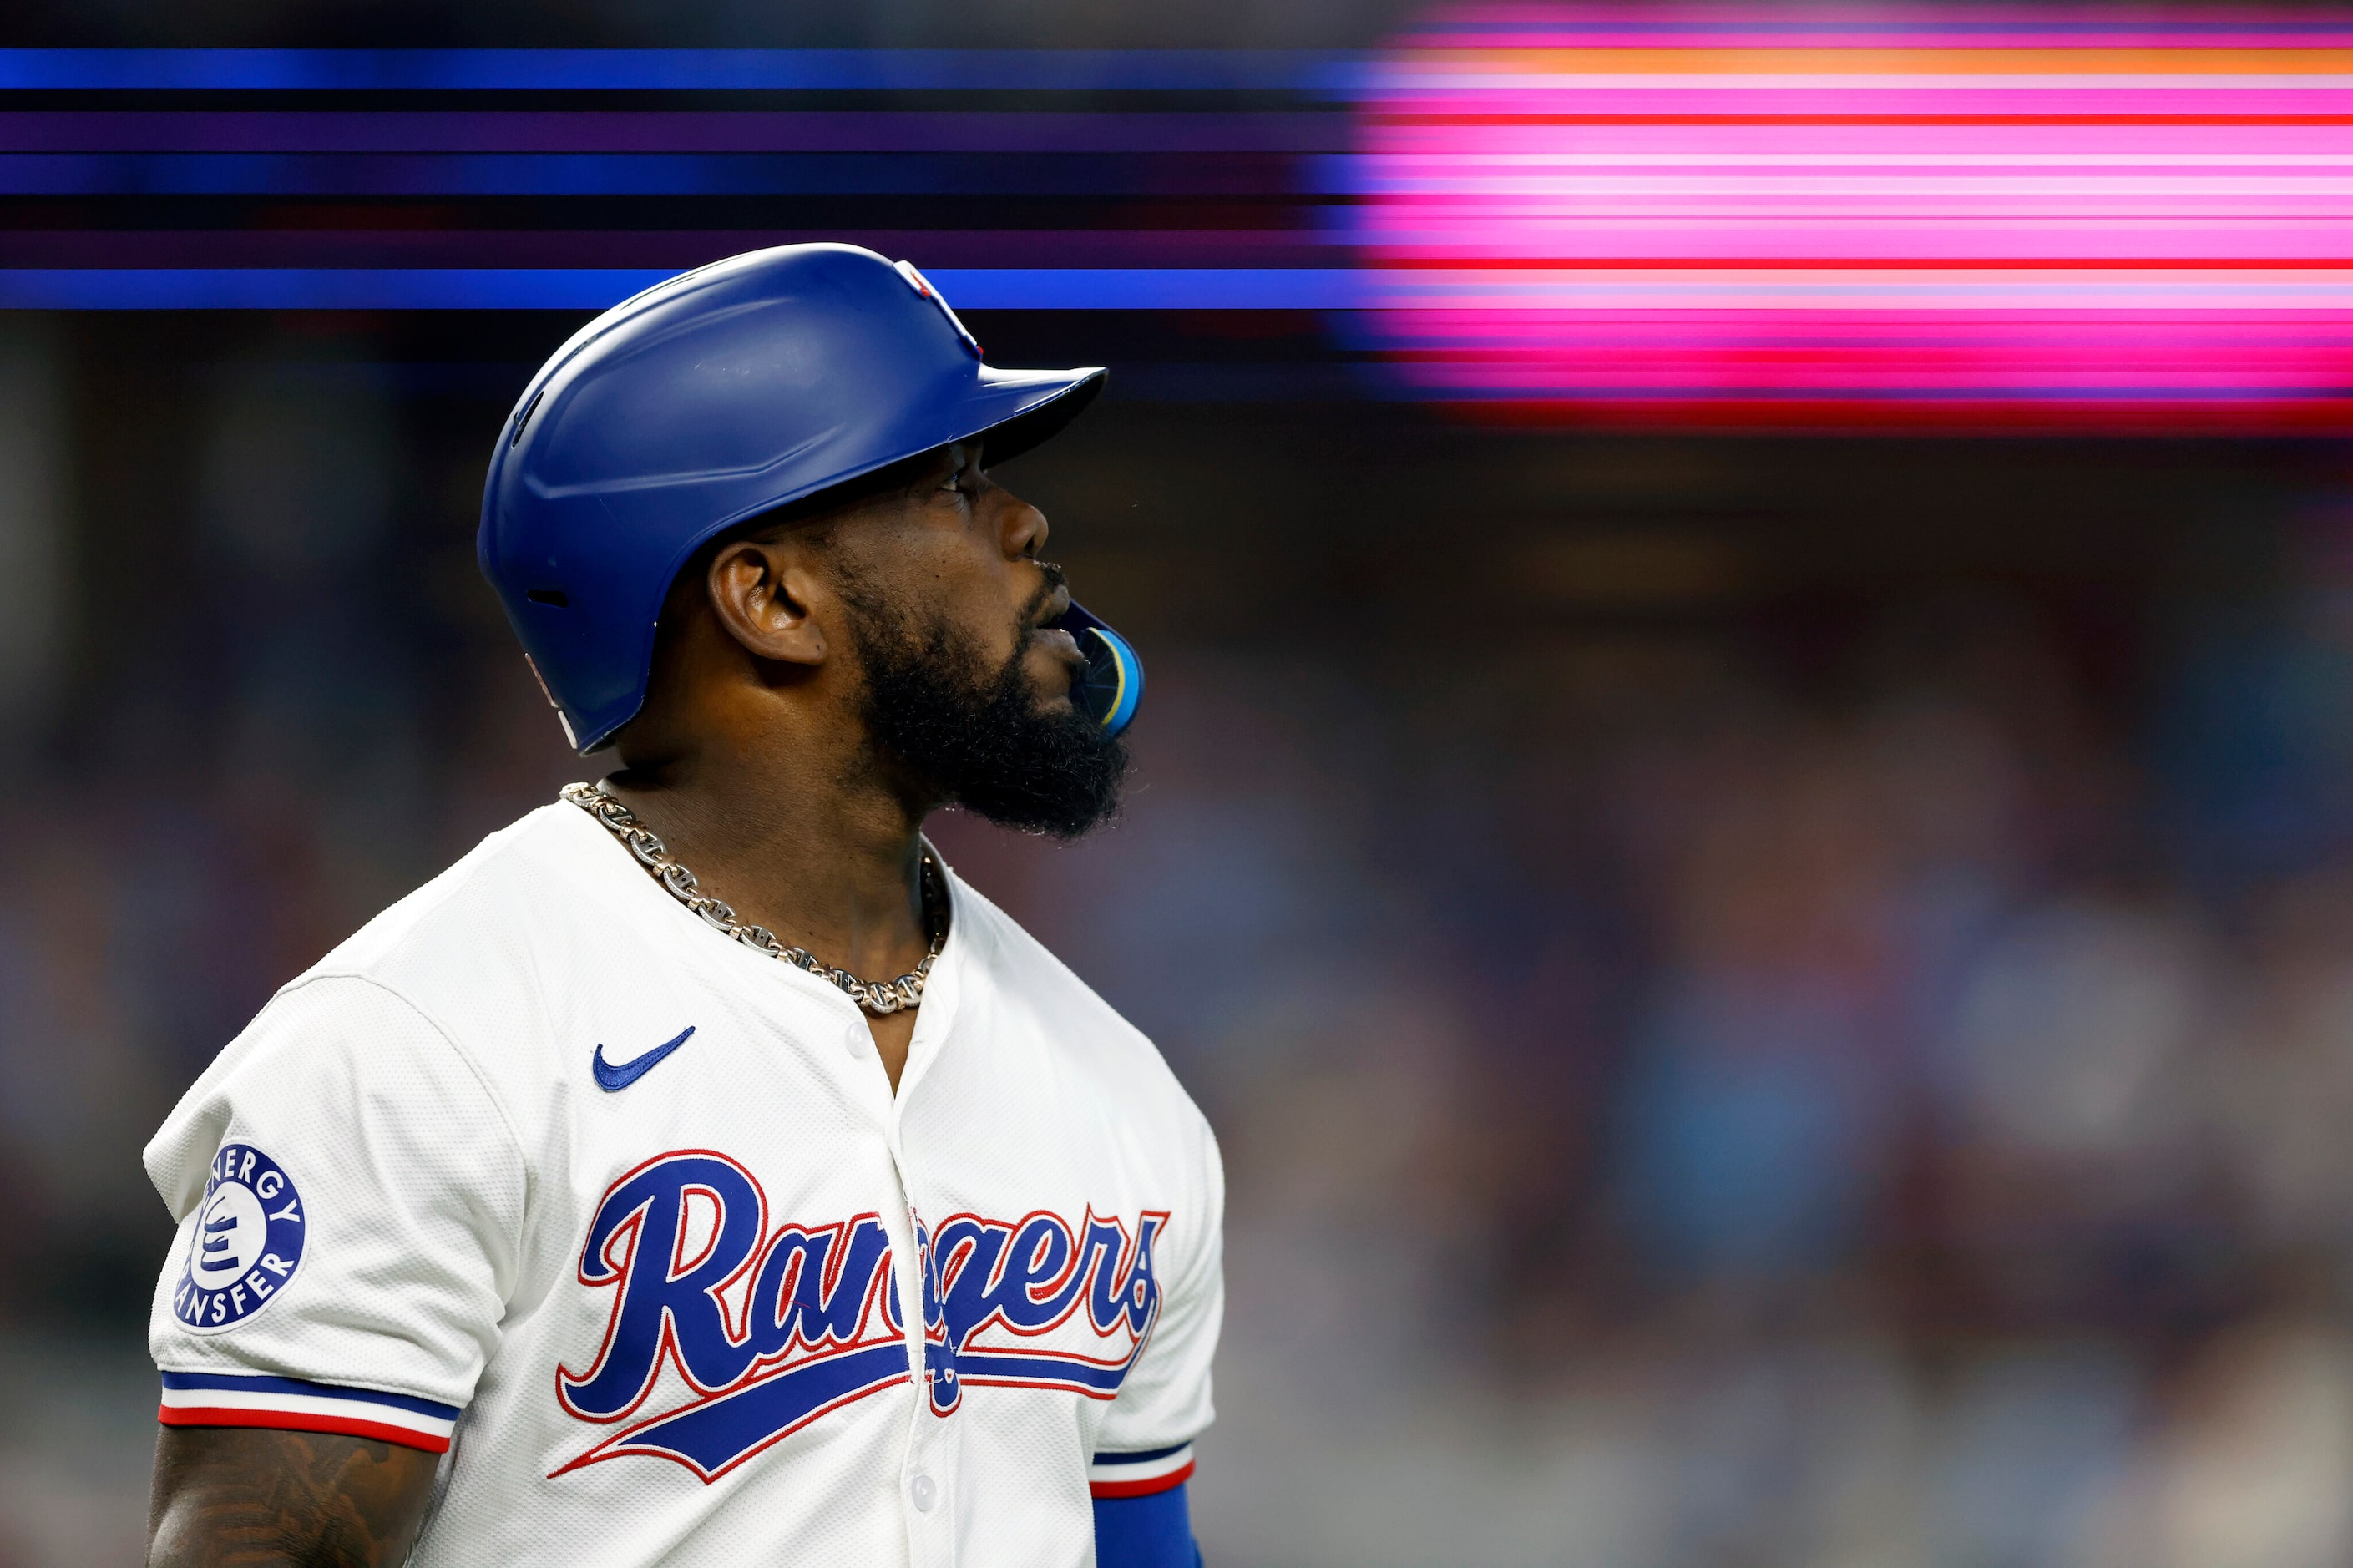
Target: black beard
[[982, 741]]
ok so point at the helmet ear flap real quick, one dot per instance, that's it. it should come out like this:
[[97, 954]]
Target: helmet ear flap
[[1112, 685], [561, 717]]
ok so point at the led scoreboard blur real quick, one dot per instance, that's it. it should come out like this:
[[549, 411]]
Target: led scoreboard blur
[[1965, 216], [1950, 217]]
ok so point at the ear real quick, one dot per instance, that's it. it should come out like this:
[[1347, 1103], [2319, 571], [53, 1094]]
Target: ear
[[764, 592]]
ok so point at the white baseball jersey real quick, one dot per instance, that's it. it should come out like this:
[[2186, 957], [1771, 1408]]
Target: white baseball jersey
[[540, 1171]]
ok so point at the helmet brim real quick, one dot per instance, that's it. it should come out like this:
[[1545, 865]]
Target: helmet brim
[[1041, 407]]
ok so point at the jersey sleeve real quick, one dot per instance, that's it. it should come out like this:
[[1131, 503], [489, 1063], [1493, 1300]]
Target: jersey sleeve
[[349, 1199], [1145, 1443]]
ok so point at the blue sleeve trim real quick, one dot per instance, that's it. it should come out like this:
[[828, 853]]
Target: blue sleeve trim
[[1141, 1456], [234, 1383]]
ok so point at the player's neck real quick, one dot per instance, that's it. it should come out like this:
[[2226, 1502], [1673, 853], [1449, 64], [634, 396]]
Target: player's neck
[[800, 840]]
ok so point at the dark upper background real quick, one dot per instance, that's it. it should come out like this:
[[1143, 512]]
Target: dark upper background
[[1769, 1001]]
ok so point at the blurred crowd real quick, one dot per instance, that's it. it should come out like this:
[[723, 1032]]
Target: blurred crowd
[[1683, 1105], [1903, 1125], [1905, 1122]]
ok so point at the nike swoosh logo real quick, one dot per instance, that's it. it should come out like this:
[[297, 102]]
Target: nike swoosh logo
[[612, 1079]]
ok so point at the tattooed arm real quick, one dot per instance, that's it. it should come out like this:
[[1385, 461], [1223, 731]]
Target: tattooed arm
[[248, 1498]]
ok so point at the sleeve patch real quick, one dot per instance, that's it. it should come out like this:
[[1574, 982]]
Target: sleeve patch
[[246, 1243], [1140, 1474], [226, 1399]]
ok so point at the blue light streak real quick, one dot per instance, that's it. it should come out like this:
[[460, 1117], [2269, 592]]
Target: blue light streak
[[596, 287], [677, 70]]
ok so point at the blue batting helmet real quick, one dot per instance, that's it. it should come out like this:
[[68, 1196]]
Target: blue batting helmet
[[713, 397]]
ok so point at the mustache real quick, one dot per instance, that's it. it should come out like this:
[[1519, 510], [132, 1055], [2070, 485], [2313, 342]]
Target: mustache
[[1054, 579]]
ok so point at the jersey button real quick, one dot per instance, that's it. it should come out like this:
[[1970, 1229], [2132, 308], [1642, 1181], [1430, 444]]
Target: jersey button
[[857, 1041], [925, 1493]]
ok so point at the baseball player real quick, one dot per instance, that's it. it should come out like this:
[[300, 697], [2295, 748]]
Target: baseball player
[[698, 1171]]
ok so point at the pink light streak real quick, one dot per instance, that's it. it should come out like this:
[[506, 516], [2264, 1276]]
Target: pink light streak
[[1960, 217]]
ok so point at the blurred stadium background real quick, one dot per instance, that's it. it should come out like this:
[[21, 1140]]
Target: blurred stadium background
[[1772, 998]]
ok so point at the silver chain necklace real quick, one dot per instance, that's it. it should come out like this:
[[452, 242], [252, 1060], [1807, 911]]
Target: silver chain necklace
[[880, 998]]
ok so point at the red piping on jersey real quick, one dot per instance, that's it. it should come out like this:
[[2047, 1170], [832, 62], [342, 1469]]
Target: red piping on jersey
[[1166, 1483]]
